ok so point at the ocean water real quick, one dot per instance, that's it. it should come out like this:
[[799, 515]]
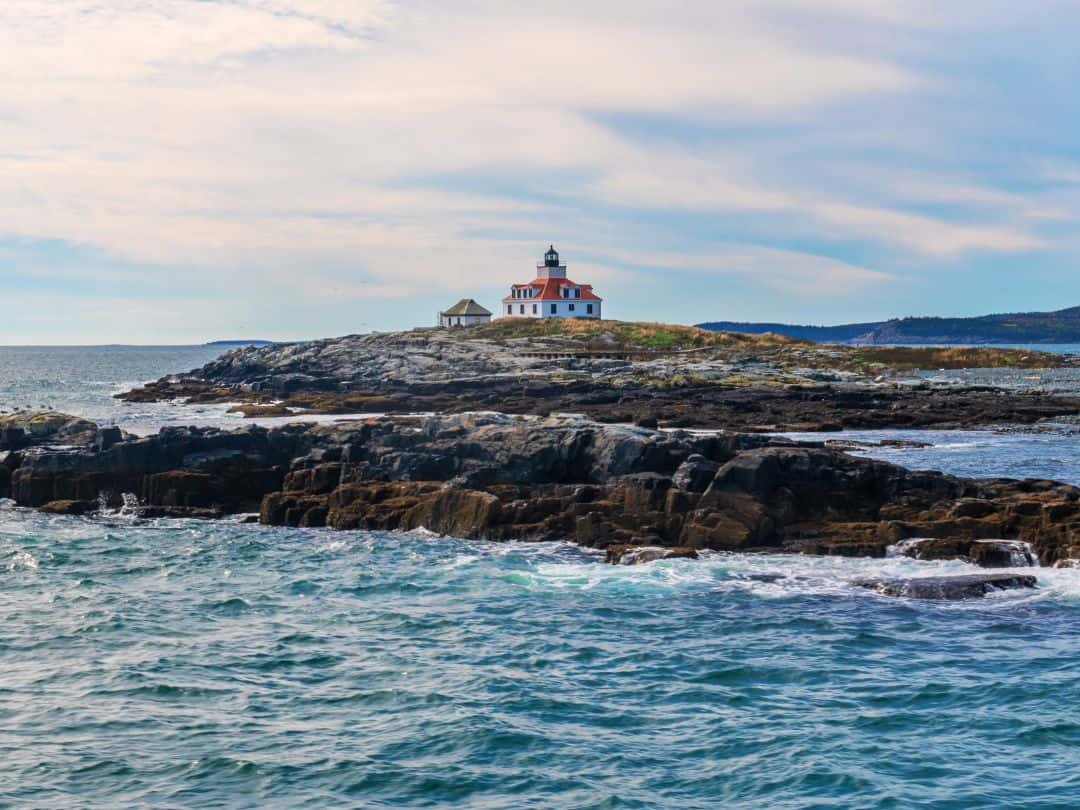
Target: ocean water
[[1051, 452], [83, 379], [176, 664], [180, 664], [1053, 348], [1063, 381]]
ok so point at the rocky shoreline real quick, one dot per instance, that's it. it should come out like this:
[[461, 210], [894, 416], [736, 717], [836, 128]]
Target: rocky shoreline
[[624, 474], [623, 489], [675, 377]]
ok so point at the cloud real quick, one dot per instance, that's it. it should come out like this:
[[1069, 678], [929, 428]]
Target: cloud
[[374, 150], [923, 233], [85, 41], [786, 271], [695, 184]]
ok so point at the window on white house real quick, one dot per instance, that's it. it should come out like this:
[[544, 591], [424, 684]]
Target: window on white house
[[522, 309], [577, 292], [571, 307], [509, 309], [554, 309], [588, 309], [534, 309]]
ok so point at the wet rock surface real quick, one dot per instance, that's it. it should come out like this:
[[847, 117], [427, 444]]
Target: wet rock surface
[[23, 429], [983, 553], [974, 586], [611, 487], [638, 555]]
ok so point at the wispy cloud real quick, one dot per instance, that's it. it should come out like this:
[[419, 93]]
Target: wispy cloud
[[408, 151], [783, 271]]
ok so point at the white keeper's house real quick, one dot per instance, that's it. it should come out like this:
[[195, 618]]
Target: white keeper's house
[[551, 294]]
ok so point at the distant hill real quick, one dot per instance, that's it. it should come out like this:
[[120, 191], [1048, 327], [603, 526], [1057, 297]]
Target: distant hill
[[1062, 326]]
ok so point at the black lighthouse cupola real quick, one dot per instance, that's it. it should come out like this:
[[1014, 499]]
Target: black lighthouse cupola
[[552, 266]]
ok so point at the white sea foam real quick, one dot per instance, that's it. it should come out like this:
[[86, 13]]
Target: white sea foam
[[424, 533], [129, 504], [767, 576], [22, 561], [904, 547], [334, 546]]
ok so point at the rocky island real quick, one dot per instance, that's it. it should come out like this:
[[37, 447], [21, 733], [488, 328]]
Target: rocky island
[[672, 376], [621, 475]]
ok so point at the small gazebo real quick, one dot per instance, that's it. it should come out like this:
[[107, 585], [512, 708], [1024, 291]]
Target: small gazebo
[[465, 312]]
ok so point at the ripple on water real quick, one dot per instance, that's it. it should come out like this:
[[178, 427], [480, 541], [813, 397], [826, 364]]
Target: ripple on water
[[177, 664]]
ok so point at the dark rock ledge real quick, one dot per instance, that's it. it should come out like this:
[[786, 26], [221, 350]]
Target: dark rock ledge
[[971, 586], [505, 478]]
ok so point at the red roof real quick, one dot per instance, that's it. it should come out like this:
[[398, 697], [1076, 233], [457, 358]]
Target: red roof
[[548, 290]]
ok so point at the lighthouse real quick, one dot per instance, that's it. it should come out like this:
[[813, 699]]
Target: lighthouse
[[551, 294]]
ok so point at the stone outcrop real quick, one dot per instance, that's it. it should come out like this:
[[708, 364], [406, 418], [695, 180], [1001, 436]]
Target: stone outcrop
[[500, 478], [608, 487], [984, 553], [973, 586], [180, 468], [638, 555], [23, 429]]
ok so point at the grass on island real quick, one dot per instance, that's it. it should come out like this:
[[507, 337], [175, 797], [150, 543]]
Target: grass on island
[[622, 335], [595, 335]]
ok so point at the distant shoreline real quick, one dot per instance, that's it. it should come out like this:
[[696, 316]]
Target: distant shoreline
[[240, 343], [1060, 328]]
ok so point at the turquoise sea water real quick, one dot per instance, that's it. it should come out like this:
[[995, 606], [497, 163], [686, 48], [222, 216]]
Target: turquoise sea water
[[176, 664]]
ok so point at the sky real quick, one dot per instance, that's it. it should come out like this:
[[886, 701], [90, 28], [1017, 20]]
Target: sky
[[175, 171]]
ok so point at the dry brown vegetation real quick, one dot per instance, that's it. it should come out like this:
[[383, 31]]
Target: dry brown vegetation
[[590, 335], [601, 335]]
